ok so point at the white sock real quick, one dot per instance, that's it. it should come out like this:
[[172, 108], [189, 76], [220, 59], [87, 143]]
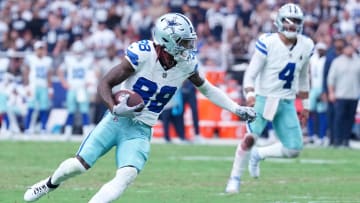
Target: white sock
[[274, 150], [67, 169], [113, 189], [240, 161]]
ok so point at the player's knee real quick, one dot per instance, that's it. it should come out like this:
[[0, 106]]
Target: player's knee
[[127, 173], [291, 153], [248, 142], [72, 167]]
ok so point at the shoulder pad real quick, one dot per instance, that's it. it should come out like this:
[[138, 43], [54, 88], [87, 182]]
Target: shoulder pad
[[139, 51]]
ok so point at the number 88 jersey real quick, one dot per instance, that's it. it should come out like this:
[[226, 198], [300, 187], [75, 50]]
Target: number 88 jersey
[[151, 81], [286, 67]]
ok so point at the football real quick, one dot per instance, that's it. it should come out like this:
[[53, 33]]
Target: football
[[134, 98]]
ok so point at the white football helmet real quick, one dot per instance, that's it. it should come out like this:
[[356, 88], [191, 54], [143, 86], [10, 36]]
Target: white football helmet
[[290, 20], [176, 33]]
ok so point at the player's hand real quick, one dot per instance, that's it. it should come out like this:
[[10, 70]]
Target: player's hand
[[122, 109], [246, 113], [250, 101], [303, 117]]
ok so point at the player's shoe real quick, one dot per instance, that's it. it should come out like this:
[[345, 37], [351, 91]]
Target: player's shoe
[[254, 163], [233, 185], [37, 190]]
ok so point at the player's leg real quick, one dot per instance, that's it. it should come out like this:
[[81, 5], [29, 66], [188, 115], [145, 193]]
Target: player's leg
[[44, 104], [165, 118], [288, 130], [30, 117], [84, 109], [255, 128], [100, 141], [131, 154], [71, 108]]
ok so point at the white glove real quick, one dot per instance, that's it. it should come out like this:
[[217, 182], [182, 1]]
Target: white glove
[[122, 109], [246, 113]]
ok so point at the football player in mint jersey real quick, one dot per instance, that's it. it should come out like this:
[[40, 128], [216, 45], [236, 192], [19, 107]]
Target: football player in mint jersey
[[155, 70], [277, 74], [38, 74]]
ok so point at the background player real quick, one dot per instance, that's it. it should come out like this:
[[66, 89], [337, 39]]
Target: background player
[[155, 70], [38, 72], [277, 73], [72, 74]]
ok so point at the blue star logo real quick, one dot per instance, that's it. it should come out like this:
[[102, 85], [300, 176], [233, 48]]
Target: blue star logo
[[171, 24]]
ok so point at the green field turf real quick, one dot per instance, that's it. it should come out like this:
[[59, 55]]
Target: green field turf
[[186, 174]]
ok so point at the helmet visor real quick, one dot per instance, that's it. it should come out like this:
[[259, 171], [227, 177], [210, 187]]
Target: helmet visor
[[291, 24], [187, 43]]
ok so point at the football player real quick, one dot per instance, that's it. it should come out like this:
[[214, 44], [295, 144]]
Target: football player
[[4, 121], [38, 72], [155, 70], [72, 74], [277, 74]]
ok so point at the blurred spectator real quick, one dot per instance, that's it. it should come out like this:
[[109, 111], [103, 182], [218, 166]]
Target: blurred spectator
[[344, 90], [215, 19], [334, 51], [188, 92], [102, 37], [173, 114], [55, 35]]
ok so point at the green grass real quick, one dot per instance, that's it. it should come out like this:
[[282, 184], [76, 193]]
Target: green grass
[[186, 174]]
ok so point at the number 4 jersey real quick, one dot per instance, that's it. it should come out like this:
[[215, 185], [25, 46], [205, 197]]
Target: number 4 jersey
[[280, 70], [151, 81]]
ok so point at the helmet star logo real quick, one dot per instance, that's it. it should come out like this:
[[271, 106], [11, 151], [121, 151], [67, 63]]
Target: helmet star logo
[[171, 24]]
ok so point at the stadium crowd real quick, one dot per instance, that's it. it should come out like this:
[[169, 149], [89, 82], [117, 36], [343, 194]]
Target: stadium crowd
[[95, 33]]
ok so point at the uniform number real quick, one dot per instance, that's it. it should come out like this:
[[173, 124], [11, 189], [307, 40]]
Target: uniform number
[[148, 89], [40, 72], [144, 45], [287, 74], [78, 73]]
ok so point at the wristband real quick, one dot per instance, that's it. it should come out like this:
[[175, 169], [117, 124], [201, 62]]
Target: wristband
[[250, 94], [305, 104]]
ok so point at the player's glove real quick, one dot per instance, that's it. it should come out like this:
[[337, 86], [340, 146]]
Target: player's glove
[[246, 113], [122, 109]]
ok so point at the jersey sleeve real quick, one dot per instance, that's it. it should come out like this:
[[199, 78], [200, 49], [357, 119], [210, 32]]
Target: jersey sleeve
[[304, 80], [261, 44], [138, 52]]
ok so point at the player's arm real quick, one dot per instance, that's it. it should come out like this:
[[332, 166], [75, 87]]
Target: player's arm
[[219, 98], [303, 93], [304, 84], [257, 62], [49, 81], [114, 77]]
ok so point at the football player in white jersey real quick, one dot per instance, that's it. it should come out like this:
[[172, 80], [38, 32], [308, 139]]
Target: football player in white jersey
[[38, 72], [277, 74], [72, 74], [155, 70], [4, 122]]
